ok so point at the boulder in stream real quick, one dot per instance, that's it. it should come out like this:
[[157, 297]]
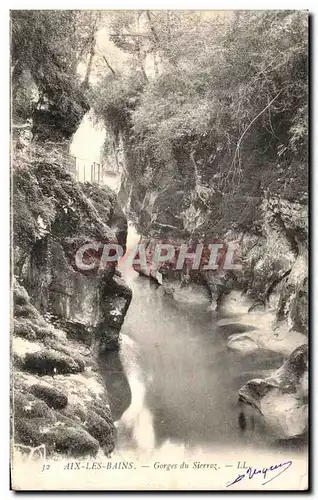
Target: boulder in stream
[[281, 400]]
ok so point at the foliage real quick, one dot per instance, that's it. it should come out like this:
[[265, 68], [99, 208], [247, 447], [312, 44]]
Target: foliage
[[49, 45], [116, 98], [228, 108], [47, 201]]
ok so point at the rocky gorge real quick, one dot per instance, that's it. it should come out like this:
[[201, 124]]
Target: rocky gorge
[[269, 294], [270, 289], [64, 320], [185, 178]]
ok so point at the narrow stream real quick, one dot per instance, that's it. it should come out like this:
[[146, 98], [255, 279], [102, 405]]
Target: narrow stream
[[183, 379], [173, 386]]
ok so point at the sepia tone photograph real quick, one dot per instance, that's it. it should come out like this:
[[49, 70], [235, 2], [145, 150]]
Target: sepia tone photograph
[[159, 250]]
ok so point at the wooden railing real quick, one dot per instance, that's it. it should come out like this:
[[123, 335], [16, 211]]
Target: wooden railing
[[85, 171]]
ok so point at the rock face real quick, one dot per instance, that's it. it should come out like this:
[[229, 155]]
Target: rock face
[[274, 271], [275, 266], [65, 317], [281, 400], [185, 202], [53, 218], [55, 115], [59, 399]]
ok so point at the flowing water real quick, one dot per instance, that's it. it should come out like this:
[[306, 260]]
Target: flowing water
[[174, 384], [183, 379]]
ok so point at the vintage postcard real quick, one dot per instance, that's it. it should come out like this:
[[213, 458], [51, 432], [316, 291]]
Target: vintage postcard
[[159, 194]]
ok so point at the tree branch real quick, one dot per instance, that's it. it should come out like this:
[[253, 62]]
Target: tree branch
[[109, 66], [91, 54], [254, 120], [152, 28], [239, 142]]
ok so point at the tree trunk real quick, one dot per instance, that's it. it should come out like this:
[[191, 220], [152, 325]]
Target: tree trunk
[[85, 83]]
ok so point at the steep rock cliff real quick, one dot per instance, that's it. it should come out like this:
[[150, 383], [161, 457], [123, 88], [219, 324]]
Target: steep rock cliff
[[273, 255], [59, 400], [270, 227], [66, 318]]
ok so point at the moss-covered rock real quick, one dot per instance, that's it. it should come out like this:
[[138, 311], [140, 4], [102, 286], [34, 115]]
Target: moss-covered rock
[[53, 397], [71, 441], [21, 297], [35, 424], [24, 329], [26, 405], [101, 430], [61, 399], [62, 215], [49, 362], [29, 432]]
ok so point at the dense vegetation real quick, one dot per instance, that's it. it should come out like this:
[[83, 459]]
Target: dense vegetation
[[225, 106], [46, 49], [215, 101]]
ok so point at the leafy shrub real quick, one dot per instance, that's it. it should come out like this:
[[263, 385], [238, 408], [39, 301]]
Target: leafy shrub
[[228, 108]]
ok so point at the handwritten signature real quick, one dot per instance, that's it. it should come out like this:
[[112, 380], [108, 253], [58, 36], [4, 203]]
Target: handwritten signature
[[252, 472]]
